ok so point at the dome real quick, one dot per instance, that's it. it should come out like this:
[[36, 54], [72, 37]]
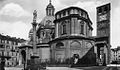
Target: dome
[[48, 20]]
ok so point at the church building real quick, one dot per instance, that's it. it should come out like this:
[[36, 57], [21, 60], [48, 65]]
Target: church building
[[73, 35], [45, 33], [68, 32]]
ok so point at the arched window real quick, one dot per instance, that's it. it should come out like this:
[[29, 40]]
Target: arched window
[[48, 22], [75, 44], [50, 12], [82, 27], [89, 45], [42, 34], [59, 45]]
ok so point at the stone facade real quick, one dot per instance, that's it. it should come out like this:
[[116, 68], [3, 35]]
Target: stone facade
[[73, 35], [69, 32], [103, 34], [64, 49], [45, 33]]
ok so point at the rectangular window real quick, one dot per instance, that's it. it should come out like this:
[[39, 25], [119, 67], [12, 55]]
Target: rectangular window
[[82, 27], [2, 41], [79, 13], [99, 10], [64, 29], [7, 53], [7, 42], [64, 13], [16, 54], [12, 53], [68, 12]]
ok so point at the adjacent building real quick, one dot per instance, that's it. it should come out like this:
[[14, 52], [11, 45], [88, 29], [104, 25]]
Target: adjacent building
[[9, 48], [115, 54]]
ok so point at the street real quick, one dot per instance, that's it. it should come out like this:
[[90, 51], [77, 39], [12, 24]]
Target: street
[[108, 67], [85, 68]]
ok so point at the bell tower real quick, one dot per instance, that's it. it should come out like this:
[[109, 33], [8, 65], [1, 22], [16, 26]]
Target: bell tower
[[103, 34], [50, 9], [103, 21]]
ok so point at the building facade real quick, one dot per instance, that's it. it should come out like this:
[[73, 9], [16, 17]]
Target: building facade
[[9, 47], [69, 32], [114, 54], [45, 33], [73, 35]]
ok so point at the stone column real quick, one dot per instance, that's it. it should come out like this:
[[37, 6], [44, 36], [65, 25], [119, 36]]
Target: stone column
[[34, 24]]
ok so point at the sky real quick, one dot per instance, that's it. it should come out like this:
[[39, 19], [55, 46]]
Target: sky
[[16, 15]]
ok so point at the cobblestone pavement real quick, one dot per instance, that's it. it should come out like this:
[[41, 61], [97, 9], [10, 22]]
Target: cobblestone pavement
[[78, 68], [92, 68], [111, 68], [61, 68]]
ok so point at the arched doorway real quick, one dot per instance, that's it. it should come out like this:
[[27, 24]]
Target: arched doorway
[[23, 53], [75, 48], [60, 52]]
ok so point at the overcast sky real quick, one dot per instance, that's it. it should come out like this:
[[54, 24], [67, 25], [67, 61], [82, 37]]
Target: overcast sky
[[16, 15]]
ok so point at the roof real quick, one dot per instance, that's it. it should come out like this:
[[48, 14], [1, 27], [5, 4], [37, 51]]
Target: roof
[[72, 7], [24, 46], [50, 5], [47, 22], [9, 38], [43, 45], [47, 18]]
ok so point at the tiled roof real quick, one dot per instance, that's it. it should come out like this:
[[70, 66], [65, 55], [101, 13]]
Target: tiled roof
[[3, 37]]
